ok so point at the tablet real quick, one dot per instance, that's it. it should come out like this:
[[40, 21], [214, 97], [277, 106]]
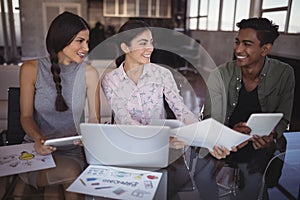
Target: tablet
[[62, 141], [262, 124]]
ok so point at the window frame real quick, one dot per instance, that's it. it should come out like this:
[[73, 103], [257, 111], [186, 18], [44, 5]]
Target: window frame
[[282, 8], [61, 8], [256, 10], [124, 13]]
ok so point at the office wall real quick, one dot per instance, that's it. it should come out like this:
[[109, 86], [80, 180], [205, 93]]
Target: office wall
[[32, 25], [287, 46], [220, 45]]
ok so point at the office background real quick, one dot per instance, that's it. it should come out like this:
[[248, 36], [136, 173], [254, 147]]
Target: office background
[[24, 24]]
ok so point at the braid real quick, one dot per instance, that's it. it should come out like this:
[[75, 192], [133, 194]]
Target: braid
[[62, 31], [60, 104]]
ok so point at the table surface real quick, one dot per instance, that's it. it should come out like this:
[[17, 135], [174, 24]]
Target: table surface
[[247, 174]]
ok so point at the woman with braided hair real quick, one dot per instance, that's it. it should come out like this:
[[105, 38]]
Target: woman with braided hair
[[53, 92]]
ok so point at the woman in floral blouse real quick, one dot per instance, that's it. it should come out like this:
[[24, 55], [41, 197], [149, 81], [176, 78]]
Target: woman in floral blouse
[[137, 88]]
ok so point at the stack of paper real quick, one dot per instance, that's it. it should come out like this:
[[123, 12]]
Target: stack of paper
[[209, 133], [116, 183]]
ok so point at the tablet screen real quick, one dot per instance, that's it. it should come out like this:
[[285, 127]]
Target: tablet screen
[[262, 124], [62, 141]]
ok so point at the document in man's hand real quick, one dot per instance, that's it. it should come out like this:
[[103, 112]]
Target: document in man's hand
[[116, 182], [16, 159], [209, 133]]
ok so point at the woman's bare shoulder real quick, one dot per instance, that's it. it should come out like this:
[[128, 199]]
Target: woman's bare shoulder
[[29, 69], [30, 65]]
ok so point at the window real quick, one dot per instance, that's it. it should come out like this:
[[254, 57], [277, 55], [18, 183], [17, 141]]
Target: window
[[10, 31], [234, 11], [137, 8], [222, 15], [52, 9], [217, 14], [285, 13]]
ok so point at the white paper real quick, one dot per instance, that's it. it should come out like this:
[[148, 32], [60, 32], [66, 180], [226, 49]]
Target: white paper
[[15, 159], [116, 183], [172, 123], [209, 133]]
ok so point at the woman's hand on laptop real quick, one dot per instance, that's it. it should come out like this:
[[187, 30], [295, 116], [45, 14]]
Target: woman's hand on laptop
[[175, 143]]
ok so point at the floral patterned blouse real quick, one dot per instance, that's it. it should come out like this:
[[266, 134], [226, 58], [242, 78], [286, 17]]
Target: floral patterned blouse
[[139, 103]]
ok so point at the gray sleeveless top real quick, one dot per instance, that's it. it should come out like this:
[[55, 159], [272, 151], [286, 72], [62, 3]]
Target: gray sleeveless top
[[54, 124]]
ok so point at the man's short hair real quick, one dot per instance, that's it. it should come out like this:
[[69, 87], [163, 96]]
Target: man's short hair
[[266, 30]]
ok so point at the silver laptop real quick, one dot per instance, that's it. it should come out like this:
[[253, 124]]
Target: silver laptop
[[126, 145]]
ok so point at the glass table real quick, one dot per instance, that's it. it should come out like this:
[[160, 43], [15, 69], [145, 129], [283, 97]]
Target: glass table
[[246, 174], [288, 184]]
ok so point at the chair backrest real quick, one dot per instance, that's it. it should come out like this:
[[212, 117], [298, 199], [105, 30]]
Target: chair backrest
[[15, 132], [169, 113]]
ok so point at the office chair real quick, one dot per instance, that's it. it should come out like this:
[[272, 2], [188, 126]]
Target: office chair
[[14, 133]]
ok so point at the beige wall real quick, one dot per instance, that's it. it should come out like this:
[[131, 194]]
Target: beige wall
[[287, 46], [219, 45], [32, 25]]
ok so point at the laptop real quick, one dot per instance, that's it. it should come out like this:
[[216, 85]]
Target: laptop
[[126, 145]]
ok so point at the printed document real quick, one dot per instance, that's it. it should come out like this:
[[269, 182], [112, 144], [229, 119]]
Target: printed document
[[16, 159], [116, 182]]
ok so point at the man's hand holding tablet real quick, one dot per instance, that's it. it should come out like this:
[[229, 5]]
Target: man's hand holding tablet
[[262, 124], [262, 127]]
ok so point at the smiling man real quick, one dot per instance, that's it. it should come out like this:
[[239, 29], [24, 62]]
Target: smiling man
[[253, 83]]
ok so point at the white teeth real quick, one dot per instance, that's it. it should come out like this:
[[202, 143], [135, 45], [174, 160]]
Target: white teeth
[[81, 54], [241, 57]]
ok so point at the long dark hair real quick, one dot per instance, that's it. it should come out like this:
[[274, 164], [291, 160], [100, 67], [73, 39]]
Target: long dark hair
[[136, 27], [61, 33]]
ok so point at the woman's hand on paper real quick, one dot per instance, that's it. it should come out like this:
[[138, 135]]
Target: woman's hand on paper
[[42, 149], [175, 143], [221, 152]]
